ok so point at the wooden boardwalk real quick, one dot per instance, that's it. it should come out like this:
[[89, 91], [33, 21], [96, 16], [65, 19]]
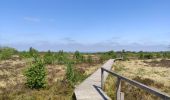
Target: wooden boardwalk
[[90, 89]]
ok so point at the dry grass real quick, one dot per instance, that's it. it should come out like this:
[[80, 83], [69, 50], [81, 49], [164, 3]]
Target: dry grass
[[12, 81], [138, 68], [58, 91], [88, 69], [142, 71], [11, 72]]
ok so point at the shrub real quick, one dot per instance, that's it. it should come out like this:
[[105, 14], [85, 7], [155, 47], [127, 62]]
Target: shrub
[[141, 55], [61, 60], [124, 55], [73, 76], [158, 55], [36, 75], [89, 59], [61, 57], [24, 54], [107, 56], [77, 55], [102, 58], [33, 52], [112, 54], [166, 54], [79, 58], [148, 56], [6, 53], [78, 76], [49, 58], [70, 73]]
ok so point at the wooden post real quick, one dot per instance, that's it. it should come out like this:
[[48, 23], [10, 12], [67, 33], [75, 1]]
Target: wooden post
[[118, 89], [122, 95], [102, 76]]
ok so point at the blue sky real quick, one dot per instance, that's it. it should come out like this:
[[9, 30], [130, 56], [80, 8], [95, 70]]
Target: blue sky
[[85, 25]]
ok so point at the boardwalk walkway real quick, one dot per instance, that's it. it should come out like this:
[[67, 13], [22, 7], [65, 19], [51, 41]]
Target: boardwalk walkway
[[90, 89]]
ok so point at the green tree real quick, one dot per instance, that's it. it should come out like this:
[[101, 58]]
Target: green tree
[[124, 55], [70, 73], [33, 52], [36, 74], [78, 57]]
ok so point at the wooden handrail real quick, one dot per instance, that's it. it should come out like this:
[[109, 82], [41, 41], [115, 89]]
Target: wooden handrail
[[135, 83]]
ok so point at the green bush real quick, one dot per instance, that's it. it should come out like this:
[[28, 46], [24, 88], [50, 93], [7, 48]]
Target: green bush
[[73, 76], [141, 55], [36, 74], [70, 73], [124, 55], [6, 53], [148, 56], [158, 55], [111, 54], [33, 52], [107, 55], [49, 58], [61, 57], [78, 57], [25, 54], [166, 54], [89, 59]]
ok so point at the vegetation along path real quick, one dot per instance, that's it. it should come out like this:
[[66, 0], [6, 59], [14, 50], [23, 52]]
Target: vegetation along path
[[90, 89]]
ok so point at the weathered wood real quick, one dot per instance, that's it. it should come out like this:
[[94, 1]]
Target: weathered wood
[[102, 78], [122, 95], [118, 89], [90, 88], [119, 94], [140, 85]]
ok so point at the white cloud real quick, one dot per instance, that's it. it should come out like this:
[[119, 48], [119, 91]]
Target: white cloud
[[69, 44], [68, 40], [44, 46], [33, 19]]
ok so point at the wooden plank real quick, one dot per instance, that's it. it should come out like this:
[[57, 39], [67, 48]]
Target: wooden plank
[[118, 89], [122, 95], [102, 78], [90, 89]]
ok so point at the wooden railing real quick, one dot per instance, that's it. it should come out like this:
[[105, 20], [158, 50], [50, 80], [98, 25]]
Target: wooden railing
[[120, 95]]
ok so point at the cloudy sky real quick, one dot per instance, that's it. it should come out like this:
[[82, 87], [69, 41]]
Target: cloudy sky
[[85, 25]]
